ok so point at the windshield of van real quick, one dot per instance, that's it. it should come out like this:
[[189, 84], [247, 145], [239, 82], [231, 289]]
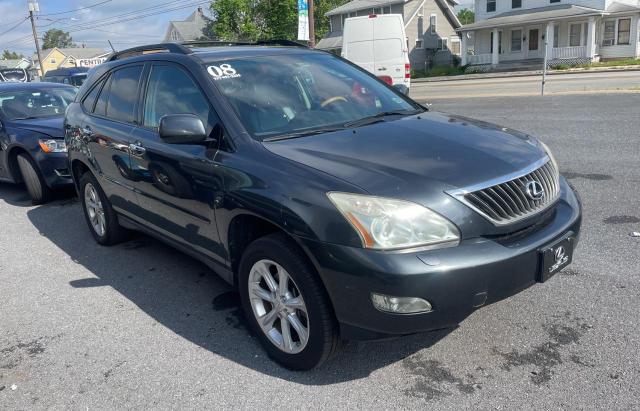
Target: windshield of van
[[297, 94], [24, 104]]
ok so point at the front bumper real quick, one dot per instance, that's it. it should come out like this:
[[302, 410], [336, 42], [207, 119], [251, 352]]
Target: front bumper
[[454, 280], [54, 168]]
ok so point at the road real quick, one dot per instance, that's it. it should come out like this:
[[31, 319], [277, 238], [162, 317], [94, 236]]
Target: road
[[589, 83], [140, 325]]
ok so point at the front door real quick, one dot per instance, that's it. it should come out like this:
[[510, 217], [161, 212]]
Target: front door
[[177, 183], [534, 43]]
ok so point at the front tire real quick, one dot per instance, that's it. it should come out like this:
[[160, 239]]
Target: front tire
[[100, 217], [286, 304], [36, 186]]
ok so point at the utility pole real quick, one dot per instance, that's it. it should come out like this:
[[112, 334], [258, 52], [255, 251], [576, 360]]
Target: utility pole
[[312, 30], [33, 6]]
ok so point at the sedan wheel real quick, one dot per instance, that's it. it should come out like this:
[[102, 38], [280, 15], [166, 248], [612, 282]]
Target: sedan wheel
[[95, 210]]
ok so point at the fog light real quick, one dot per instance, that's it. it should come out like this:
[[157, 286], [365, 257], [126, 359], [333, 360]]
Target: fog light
[[400, 305]]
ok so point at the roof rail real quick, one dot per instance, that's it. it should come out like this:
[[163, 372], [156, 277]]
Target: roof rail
[[150, 49], [218, 43]]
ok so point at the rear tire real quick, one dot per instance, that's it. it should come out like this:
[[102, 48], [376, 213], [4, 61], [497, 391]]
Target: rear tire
[[294, 322], [100, 217], [36, 186]]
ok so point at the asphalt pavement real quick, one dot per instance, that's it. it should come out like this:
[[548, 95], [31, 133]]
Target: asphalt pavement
[[142, 326], [558, 84]]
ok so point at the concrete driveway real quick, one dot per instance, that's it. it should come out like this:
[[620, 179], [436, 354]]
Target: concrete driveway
[[143, 326]]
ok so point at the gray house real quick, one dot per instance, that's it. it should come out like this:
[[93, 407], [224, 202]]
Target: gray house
[[188, 29], [430, 26]]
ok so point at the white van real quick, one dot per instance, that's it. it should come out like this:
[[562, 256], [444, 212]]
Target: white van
[[378, 44]]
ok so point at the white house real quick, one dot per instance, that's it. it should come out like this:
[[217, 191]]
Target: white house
[[430, 26], [579, 31], [186, 30]]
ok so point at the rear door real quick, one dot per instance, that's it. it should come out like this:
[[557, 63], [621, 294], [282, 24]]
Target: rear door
[[107, 129], [358, 42], [389, 47], [177, 184]]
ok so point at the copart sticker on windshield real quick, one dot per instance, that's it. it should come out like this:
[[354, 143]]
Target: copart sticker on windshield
[[223, 71]]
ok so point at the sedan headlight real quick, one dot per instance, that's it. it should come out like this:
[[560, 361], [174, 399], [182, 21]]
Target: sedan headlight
[[388, 224], [53, 146]]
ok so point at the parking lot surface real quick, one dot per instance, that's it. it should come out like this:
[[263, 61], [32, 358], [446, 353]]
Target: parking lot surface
[[140, 325]]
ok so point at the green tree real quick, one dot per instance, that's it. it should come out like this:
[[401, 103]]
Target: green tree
[[56, 38], [11, 55], [466, 16], [251, 20]]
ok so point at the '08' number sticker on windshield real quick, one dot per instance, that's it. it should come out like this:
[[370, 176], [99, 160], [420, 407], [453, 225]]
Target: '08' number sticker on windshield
[[223, 71]]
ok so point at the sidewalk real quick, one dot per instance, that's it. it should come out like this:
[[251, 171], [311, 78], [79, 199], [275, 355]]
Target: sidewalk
[[509, 74]]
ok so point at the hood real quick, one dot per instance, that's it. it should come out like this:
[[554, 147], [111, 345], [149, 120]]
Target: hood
[[415, 155], [51, 126]]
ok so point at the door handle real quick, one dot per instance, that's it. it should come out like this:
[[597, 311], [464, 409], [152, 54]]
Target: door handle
[[382, 69], [136, 149]]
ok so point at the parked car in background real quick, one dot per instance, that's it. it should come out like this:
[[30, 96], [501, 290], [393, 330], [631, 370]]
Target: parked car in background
[[74, 76], [378, 44], [32, 148], [18, 75], [338, 207]]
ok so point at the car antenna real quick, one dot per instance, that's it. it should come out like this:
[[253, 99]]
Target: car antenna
[[114, 50]]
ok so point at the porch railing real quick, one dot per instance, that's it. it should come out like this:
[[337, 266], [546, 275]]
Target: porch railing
[[479, 59], [569, 52]]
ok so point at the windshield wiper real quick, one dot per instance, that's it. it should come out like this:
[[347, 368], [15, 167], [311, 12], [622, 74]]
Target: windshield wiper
[[303, 133], [376, 118]]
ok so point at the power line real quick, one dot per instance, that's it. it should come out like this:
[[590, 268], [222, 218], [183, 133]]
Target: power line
[[78, 9], [132, 15], [14, 27]]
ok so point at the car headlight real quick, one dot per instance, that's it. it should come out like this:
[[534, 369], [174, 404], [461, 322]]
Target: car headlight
[[388, 224], [53, 146]]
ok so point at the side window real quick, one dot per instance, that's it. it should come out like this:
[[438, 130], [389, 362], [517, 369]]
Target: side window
[[90, 100], [101, 104], [172, 91], [124, 94]]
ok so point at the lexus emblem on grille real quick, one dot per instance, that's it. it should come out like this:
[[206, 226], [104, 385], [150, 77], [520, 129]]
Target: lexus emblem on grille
[[535, 191]]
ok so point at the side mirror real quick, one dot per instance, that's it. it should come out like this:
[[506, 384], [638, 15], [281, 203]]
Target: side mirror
[[402, 88], [182, 129]]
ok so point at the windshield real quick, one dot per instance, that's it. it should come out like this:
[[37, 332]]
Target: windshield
[[299, 93], [23, 104]]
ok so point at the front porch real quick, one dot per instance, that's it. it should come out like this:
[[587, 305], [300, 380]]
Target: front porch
[[563, 35]]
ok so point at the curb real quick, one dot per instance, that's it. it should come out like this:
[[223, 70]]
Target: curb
[[524, 74]]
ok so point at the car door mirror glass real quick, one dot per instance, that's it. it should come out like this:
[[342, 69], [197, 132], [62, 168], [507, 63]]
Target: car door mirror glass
[[182, 129]]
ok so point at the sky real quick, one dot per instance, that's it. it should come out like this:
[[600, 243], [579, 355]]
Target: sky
[[92, 23]]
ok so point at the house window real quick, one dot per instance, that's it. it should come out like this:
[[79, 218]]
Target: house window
[[556, 36], [609, 33], [443, 44], [386, 10], [624, 31], [174, 35], [554, 1], [575, 33], [516, 40], [491, 6], [516, 4], [377, 10], [455, 46], [433, 22], [419, 44]]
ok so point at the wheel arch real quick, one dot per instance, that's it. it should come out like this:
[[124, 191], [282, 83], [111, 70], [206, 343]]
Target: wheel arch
[[78, 168], [12, 162]]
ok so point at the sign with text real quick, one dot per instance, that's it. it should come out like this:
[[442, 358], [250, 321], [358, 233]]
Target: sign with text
[[303, 20], [90, 62]]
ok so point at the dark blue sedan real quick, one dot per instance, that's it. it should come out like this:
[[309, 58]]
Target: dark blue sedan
[[32, 148]]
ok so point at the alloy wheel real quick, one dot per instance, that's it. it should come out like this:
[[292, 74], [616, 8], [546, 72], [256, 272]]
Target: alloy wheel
[[95, 210], [278, 306]]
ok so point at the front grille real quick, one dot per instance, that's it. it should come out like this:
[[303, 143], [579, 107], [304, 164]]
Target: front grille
[[514, 200]]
